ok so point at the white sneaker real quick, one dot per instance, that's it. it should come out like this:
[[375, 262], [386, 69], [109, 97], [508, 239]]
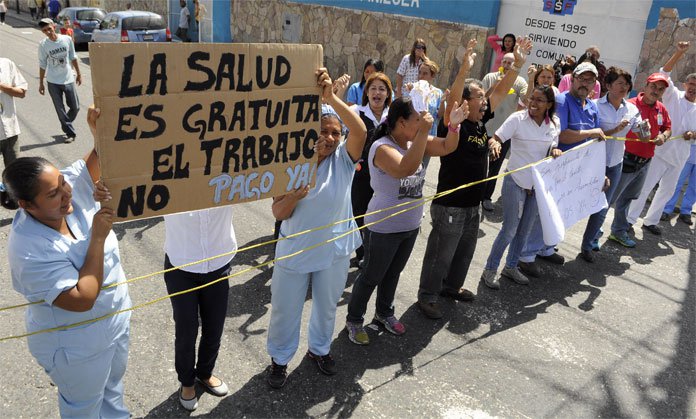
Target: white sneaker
[[490, 278], [516, 275]]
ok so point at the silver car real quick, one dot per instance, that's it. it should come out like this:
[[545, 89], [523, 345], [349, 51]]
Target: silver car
[[83, 20], [132, 26]]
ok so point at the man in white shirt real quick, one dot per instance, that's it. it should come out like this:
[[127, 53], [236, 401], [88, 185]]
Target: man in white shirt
[[671, 157], [505, 109], [56, 55], [184, 19], [12, 85]]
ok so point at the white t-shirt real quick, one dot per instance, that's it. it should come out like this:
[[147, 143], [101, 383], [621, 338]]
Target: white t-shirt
[[195, 235], [10, 75], [530, 143], [184, 16], [408, 72], [682, 113], [609, 118]]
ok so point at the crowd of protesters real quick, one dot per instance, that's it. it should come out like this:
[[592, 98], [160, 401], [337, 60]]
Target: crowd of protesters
[[373, 151]]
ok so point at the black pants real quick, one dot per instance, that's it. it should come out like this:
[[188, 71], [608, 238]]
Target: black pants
[[386, 257], [361, 193], [211, 304], [494, 169]]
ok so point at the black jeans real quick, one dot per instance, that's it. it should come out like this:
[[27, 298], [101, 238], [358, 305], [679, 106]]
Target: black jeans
[[450, 249], [494, 169], [360, 194], [211, 304], [385, 257]]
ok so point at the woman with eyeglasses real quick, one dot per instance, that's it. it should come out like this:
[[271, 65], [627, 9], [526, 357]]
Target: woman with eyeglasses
[[408, 69], [532, 133]]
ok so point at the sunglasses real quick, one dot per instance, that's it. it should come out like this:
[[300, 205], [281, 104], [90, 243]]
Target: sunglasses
[[420, 47]]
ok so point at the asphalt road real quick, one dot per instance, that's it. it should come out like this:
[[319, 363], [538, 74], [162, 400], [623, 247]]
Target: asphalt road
[[616, 338]]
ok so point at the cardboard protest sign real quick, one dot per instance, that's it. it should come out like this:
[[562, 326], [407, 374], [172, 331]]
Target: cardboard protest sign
[[192, 126], [569, 189]]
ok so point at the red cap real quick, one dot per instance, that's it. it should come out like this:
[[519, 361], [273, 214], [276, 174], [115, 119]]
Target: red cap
[[655, 77]]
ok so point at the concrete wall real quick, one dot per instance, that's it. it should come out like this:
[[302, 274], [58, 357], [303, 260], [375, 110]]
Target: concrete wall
[[350, 37], [659, 44]]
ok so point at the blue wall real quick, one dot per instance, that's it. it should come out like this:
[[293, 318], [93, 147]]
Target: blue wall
[[473, 12], [687, 9]]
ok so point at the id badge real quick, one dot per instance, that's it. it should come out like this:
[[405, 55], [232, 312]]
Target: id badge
[[659, 119]]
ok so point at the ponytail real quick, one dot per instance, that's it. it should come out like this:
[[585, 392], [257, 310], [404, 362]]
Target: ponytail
[[21, 181], [400, 108]]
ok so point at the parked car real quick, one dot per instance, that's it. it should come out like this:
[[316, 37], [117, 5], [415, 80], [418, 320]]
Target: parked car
[[83, 20], [132, 26]]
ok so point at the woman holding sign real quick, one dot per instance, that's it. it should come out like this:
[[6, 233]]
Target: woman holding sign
[[64, 256], [325, 265], [398, 175], [533, 134]]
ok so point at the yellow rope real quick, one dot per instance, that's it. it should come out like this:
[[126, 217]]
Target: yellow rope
[[423, 199]]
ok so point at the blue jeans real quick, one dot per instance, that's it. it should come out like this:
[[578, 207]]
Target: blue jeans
[[70, 91], [534, 244], [519, 212], [288, 294], [628, 189], [386, 255], [450, 248], [689, 172], [594, 223]]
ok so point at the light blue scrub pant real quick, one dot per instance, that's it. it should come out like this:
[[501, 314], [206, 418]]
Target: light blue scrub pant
[[288, 293], [92, 387]]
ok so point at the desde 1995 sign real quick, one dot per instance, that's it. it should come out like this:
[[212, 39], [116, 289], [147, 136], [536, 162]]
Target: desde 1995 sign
[[192, 126]]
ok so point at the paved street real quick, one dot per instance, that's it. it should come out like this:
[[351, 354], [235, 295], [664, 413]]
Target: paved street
[[613, 338]]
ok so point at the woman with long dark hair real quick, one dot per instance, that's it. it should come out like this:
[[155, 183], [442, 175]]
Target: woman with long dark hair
[[501, 46], [397, 176], [532, 133]]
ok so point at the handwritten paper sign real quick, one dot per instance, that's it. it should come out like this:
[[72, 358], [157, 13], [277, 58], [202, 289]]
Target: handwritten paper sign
[[569, 189], [192, 126]]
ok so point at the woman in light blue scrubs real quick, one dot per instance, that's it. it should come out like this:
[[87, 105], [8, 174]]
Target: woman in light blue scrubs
[[327, 265], [62, 254]]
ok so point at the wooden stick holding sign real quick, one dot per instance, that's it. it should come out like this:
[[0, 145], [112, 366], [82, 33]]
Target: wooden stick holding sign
[[191, 126]]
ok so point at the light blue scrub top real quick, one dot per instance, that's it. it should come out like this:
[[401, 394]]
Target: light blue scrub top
[[327, 202], [44, 263]]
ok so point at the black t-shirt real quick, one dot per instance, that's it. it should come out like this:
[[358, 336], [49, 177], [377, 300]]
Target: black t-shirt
[[468, 163]]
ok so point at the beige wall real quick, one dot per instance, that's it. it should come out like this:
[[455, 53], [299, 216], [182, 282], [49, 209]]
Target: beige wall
[[350, 37], [658, 46]]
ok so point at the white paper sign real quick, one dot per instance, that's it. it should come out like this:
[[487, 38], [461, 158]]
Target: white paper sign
[[569, 189]]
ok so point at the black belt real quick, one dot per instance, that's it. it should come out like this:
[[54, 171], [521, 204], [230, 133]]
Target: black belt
[[637, 159]]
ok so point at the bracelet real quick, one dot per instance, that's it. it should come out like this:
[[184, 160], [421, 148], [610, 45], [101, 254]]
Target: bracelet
[[450, 128]]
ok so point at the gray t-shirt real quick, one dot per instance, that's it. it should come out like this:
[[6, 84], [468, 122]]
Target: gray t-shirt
[[55, 57], [508, 105], [390, 191]]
